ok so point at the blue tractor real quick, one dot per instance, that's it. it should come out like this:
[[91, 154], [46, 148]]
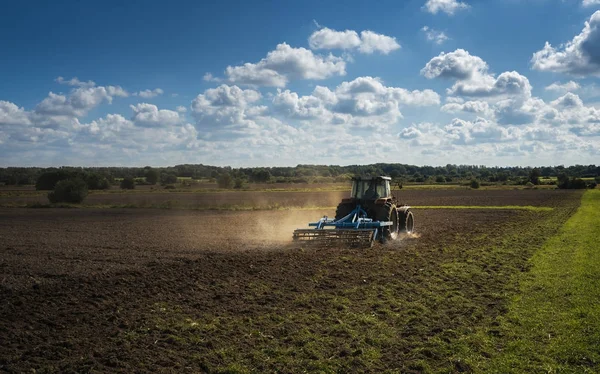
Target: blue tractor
[[370, 213]]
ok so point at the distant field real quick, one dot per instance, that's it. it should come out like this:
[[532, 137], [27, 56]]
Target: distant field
[[265, 200]]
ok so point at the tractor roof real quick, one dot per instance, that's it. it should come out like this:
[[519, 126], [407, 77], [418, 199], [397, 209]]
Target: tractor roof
[[362, 178]]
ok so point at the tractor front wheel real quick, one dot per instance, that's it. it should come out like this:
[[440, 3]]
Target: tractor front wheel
[[343, 210]]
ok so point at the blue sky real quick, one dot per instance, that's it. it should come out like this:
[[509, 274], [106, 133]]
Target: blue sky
[[509, 82]]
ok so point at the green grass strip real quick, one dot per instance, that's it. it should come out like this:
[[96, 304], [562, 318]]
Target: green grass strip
[[497, 207], [553, 325]]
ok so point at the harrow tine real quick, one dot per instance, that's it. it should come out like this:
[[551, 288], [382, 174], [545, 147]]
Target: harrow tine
[[352, 237]]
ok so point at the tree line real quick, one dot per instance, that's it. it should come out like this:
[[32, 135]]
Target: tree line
[[103, 177]]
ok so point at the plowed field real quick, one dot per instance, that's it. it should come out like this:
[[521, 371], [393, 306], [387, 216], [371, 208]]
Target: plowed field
[[149, 290]]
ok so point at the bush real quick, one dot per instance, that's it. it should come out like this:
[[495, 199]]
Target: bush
[[225, 181], [168, 178], [440, 179], [474, 184], [529, 184], [69, 191], [128, 183], [239, 183], [152, 176], [97, 182], [572, 184]]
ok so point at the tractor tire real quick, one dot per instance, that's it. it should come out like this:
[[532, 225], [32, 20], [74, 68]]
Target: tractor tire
[[343, 210], [388, 212], [407, 221]]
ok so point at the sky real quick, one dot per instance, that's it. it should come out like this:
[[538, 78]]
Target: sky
[[281, 83]]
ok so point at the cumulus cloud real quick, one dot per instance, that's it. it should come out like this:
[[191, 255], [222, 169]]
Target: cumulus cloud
[[208, 77], [368, 42], [580, 56], [227, 108], [454, 65], [565, 87], [148, 115], [12, 115], [476, 107], [587, 3], [508, 83], [148, 94], [446, 6], [286, 63], [473, 78], [438, 37], [79, 101], [364, 102], [181, 109]]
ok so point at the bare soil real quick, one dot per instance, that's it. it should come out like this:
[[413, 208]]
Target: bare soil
[[148, 290]]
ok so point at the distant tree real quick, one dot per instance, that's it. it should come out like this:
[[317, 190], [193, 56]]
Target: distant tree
[[562, 181], [440, 179], [96, 181], [69, 191], [262, 176], [128, 183], [49, 179], [474, 184], [168, 178], [534, 176], [152, 176], [225, 180]]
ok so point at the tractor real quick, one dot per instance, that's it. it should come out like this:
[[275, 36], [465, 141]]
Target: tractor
[[370, 213]]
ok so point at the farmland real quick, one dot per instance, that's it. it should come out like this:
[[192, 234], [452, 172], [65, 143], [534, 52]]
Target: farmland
[[217, 285]]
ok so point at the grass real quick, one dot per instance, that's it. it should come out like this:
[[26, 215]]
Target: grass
[[553, 324], [494, 207]]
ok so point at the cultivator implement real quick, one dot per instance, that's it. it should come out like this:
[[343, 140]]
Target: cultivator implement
[[355, 229]]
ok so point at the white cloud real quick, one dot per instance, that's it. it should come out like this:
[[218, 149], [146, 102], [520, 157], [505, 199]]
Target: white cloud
[[454, 65], [148, 115], [509, 83], [79, 101], [587, 3], [285, 63], [569, 100], [438, 37], [12, 115], [373, 42], [447, 6], [580, 56], [368, 42], [226, 108], [473, 78], [364, 102], [148, 94], [565, 87], [327, 38], [208, 77], [181, 109], [75, 82], [477, 107]]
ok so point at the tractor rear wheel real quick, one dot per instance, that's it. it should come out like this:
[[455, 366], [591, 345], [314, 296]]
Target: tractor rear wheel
[[407, 222], [343, 210], [388, 212]]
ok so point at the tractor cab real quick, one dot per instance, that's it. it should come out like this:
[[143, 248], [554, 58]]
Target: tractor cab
[[371, 188]]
